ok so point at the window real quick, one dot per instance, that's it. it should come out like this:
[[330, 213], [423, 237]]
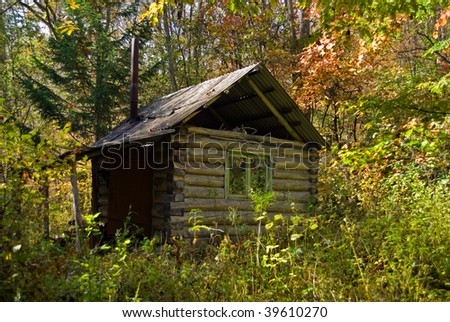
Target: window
[[247, 171]]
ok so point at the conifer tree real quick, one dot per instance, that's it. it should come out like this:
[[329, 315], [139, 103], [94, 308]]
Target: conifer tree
[[84, 79]]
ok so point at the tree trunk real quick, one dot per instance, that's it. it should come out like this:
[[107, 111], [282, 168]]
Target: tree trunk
[[76, 209], [293, 32], [45, 209], [198, 41], [169, 48], [2, 35]]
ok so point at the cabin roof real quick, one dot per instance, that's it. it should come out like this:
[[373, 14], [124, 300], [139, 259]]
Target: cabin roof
[[230, 101]]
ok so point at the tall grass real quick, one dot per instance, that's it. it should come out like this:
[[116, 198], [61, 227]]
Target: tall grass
[[386, 243]]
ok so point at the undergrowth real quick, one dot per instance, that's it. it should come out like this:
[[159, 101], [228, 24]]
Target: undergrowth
[[389, 249], [381, 232]]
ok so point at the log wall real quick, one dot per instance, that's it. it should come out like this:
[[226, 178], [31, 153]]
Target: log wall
[[189, 181], [161, 190], [199, 156]]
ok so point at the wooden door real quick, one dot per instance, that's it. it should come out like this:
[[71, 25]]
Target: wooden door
[[131, 194]]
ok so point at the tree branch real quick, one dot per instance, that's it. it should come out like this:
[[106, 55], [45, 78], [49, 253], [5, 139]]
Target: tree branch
[[445, 58], [40, 17], [425, 111], [9, 7]]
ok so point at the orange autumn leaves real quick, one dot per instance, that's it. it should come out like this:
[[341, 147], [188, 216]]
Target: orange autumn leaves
[[441, 22]]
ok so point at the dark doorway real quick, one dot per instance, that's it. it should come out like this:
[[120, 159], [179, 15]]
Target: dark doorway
[[131, 193]]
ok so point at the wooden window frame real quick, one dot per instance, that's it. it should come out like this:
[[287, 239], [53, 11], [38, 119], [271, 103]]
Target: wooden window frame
[[250, 155]]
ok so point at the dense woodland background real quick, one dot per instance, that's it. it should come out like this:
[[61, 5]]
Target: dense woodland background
[[372, 76]]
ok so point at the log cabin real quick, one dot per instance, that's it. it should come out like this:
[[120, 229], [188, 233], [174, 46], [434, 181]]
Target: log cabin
[[196, 153]]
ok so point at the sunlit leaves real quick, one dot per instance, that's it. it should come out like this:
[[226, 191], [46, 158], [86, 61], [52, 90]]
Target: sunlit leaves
[[439, 87], [438, 46], [247, 7], [68, 28], [153, 12], [73, 5]]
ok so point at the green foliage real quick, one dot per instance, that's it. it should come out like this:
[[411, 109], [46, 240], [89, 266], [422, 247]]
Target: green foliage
[[28, 169], [381, 230], [373, 16], [380, 255], [82, 75], [392, 198]]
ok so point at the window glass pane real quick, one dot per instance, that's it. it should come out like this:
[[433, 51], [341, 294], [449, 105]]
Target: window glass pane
[[237, 175], [258, 174]]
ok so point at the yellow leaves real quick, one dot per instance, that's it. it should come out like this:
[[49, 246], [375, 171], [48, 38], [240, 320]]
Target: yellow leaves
[[294, 237], [68, 28], [73, 5], [153, 12], [67, 127]]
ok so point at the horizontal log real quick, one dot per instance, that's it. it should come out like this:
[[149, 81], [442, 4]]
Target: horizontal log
[[291, 185], [178, 185], [294, 196], [178, 177], [226, 204], [214, 157], [201, 215], [213, 218], [178, 197], [203, 192], [201, 168], [283, 164], [199, 163], [179, 172], [292, 174], [205, 181], [240, 136], [214, 146], [299, 158], [285, 148]]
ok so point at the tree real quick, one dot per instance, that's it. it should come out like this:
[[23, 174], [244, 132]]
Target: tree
[[84, 78], [360, 70]]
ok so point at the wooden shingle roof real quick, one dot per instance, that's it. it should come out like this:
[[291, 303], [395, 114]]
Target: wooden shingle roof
[[233, 98]]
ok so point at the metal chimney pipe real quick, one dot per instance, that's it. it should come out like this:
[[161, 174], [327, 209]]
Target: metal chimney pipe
[[134, 78]]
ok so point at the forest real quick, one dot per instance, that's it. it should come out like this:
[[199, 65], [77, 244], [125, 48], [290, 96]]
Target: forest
[[372, 76]]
